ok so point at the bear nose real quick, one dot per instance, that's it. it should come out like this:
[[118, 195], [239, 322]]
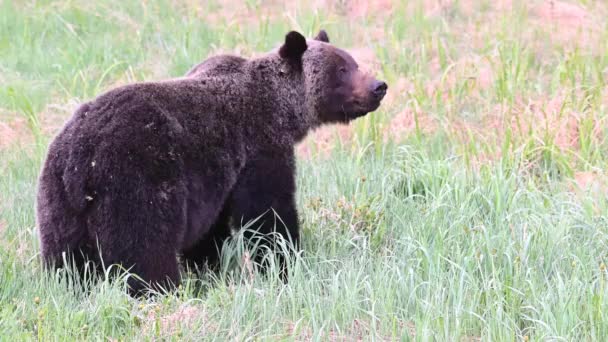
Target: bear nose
[[379, 89]]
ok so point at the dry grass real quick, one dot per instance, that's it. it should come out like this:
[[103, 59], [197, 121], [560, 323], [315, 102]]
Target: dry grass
[[483, 219], [567, 25], [186, 320]]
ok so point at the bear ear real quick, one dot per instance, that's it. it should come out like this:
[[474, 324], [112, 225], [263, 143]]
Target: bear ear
[[294, 46], [322, 36]]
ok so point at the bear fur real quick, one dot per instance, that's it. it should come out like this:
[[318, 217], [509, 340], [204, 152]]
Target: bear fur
[[150, 171]]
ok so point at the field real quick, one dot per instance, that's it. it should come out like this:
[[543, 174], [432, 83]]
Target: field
[[471, 206]]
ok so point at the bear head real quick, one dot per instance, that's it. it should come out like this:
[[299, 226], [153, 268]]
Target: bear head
[[336, 89]]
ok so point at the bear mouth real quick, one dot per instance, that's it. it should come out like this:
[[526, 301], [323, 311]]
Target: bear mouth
[[357, 109], [375, 104], [357, 114], [362, 109]]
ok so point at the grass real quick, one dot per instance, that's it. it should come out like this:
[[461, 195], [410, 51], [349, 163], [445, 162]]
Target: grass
[[482, 217]]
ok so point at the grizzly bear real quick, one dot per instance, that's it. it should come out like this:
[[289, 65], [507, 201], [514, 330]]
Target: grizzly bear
[[151, 171]]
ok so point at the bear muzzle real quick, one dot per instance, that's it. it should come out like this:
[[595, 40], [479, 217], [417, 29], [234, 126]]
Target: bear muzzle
[[378, 89]]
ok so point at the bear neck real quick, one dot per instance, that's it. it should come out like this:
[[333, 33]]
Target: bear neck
[[280, 95]]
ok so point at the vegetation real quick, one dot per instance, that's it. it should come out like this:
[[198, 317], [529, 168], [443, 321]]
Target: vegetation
[[471, 206]]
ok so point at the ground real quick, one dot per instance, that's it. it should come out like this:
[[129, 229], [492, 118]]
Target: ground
[[471, 206]]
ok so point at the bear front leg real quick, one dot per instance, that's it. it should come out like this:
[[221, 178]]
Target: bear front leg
[[265, 192]]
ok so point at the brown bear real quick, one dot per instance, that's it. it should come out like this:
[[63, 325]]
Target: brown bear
[[150, 171]]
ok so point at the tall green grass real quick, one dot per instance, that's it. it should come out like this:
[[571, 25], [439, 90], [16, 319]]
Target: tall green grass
[[449, 233]]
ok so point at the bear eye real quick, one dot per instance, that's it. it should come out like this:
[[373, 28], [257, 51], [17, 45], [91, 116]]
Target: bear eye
[[342, 70]]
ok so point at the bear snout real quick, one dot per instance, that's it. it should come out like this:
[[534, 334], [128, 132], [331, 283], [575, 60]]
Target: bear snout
[[378, 89]]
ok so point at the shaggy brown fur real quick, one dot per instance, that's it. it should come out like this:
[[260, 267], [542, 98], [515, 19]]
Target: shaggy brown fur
[[151, 170]]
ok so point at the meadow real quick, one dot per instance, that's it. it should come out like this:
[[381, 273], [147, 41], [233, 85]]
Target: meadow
[[471, 206]]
